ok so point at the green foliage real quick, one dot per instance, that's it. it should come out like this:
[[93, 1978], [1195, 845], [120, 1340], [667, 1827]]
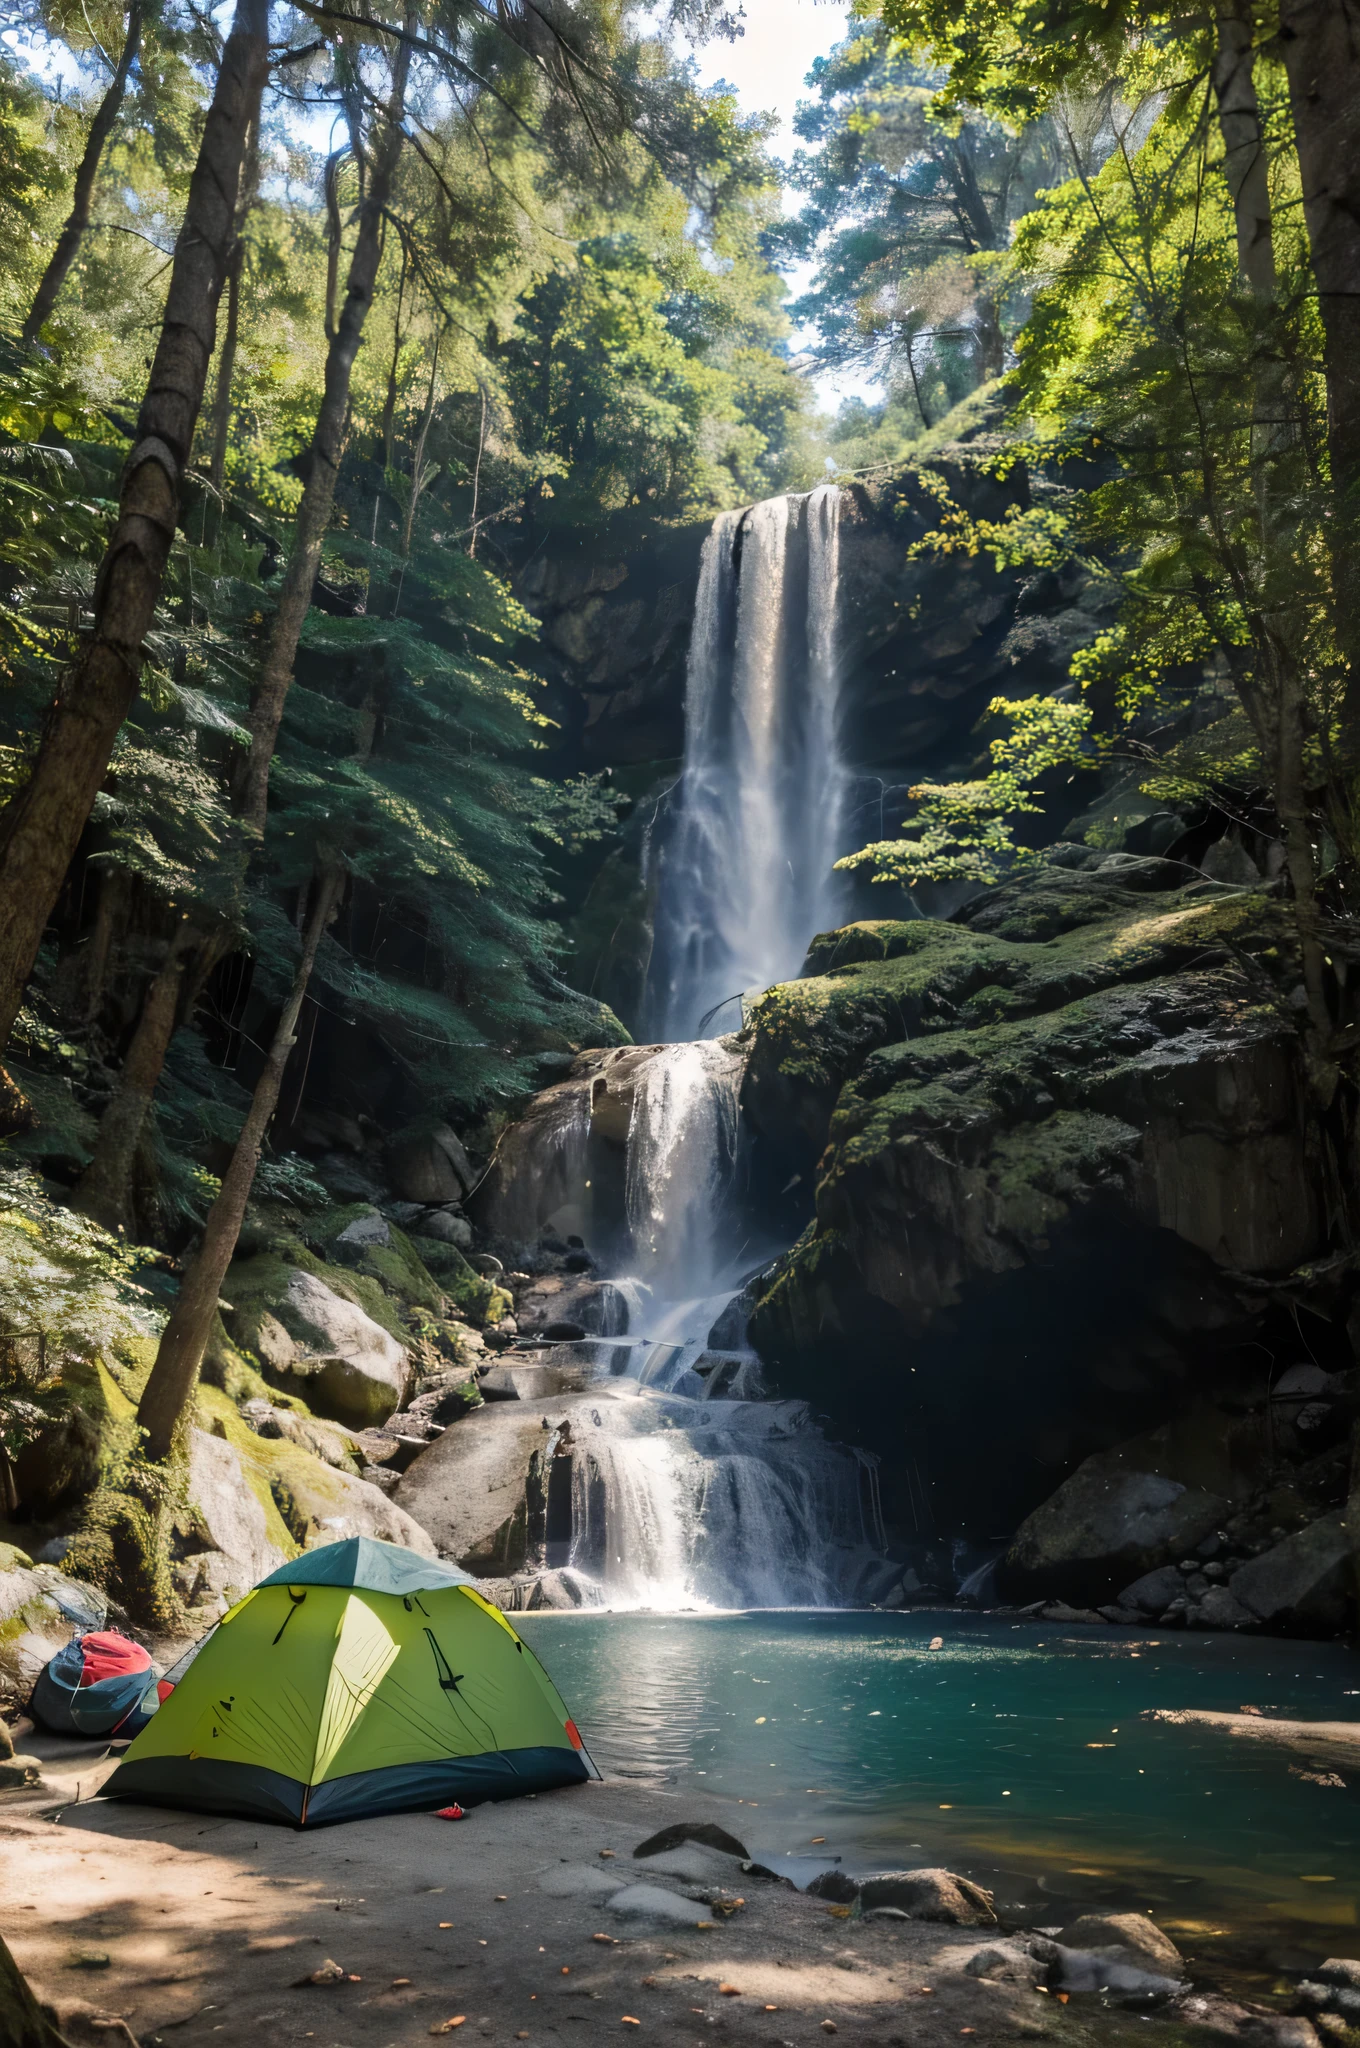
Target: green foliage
[[965, 831], [905, 215]]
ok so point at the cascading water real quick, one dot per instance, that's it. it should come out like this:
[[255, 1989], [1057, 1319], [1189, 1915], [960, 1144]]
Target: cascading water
[[688, 1488], [745, 864]]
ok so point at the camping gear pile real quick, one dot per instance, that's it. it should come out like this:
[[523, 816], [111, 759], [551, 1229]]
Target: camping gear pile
[[358, 1679], [96, 1685]]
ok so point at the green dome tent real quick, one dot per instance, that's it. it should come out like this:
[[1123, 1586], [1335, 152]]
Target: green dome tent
[[358, 1679]]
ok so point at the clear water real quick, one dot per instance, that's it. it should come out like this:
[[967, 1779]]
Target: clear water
[[1017, 1754]]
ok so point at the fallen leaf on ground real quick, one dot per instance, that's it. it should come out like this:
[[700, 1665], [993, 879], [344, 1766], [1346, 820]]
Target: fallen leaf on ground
[[828, 2026], [708, 1925], [840, 1912], [816, 1839], [397, 1982], [447, 2026], [730, 1990], [608, 1938], [446, 1923], [772, 2008], [608, 1852], [502, 1898], [628, 2021]]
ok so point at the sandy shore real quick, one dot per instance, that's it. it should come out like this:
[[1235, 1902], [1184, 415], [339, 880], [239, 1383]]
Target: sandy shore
[[192, 1927]]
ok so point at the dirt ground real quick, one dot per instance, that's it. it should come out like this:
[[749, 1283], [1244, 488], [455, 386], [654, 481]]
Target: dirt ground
[[186, 1926]]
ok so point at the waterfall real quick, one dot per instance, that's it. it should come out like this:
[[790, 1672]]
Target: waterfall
[[687, 1486], [745, 874], [682, 1150]]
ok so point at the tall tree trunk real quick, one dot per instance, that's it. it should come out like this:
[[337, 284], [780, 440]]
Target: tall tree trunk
[[82, 193], [1320, 43], [226, 360], [1245, 165], [104, 1190], [389, 412], [418, 473], [328, 446], [41, 827], [226, 369], [175, 1373]]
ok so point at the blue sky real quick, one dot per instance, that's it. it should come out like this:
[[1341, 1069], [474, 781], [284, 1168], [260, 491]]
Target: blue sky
[[767, 66]]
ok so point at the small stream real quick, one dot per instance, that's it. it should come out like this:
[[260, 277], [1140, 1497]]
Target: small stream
[[1016, 1754]]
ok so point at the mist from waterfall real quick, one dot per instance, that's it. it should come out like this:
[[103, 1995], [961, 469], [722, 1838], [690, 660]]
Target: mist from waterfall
[[745, 863]]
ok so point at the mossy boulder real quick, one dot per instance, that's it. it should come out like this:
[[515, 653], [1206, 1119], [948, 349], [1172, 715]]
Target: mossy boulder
[[310, 1329], [1046, 1140]]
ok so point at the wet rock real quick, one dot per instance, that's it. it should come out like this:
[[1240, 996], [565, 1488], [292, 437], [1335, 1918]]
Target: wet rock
[[1110, 1518], [499, 1384], [706, 1832], [1333, 1987], [447, 1228], [1135, 1937], [920, 1894], [1303, 1583], [648, 1902], [1254, 2026], [1218, 1608], [579, 1881], [1009, 1962], [562, 1332]]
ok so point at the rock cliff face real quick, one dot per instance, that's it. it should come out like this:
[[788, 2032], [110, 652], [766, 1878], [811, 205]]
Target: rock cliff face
[[1066, 1175], [924, 643]]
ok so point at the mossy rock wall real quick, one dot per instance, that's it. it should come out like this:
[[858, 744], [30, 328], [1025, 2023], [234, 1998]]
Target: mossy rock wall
[[1046, 1140]]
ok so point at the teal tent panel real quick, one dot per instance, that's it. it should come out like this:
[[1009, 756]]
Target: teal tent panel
[[370, 1567]]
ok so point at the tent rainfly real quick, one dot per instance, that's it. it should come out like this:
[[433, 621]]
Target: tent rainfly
[[359, 1679]]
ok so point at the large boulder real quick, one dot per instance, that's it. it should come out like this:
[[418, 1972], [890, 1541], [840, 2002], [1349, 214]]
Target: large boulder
[[1305, 1584], [312, 1342], [430, 1165], [926, 1894], [227, 1546], [40, 1607], [322, 1505], [1045, 1139], [1112, 1521]]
